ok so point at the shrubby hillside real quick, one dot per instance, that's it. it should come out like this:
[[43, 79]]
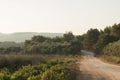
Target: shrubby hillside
[[22, 36], [66, 44]]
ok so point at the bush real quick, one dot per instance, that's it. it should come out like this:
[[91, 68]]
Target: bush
[[4, 74], [55, 68], [112, 49]]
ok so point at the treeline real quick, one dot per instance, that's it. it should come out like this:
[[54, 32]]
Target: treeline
[[103, 42], [68, 44], [94, 40]]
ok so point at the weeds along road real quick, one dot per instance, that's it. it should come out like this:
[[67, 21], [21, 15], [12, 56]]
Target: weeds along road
[[92, 68]]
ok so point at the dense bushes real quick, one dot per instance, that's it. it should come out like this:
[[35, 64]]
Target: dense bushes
[[44, 72], [112, 49], [56, 68], [4, 74], [14, 62], [104, 39]]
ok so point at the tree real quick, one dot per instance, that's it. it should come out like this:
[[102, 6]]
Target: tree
[[68, 36], [90, 39], [39, 38], [107, 30], [103, 40], [115, 31], [75, 46]]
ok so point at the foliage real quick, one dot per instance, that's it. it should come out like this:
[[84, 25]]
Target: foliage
[[112, 49], [56, 68], [90, 39], [103, 40], [14, 62], [68, 44], [115, 31], [95, 40], [4, 74], [68, 37]]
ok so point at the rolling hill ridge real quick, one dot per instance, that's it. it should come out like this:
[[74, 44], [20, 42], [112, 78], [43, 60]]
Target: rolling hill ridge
[[22, 36]]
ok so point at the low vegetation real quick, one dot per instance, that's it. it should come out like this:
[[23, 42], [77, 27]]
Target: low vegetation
[[112, 52], [37, 67], [112, 49]]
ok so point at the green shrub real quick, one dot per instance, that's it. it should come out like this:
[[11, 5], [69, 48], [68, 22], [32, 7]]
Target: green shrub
[[38, 77], [25, 72], [4, 74], [55, 68], [112, 49]]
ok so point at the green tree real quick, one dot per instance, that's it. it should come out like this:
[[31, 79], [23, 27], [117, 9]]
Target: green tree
[[103, 40], [116, 30], [68, 36], [90, 39], [107, 30]]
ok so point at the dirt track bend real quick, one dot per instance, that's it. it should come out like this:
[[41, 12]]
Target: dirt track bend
[[92, 68]]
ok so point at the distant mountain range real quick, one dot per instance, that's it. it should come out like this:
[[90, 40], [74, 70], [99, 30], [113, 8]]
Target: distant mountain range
[[22, 36]]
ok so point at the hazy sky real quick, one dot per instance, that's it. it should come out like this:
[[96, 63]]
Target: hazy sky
[[57, 15]]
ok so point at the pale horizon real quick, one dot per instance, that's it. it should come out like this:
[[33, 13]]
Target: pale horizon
[[57, 16]]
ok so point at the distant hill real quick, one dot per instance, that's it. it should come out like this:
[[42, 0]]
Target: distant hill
[[22, 36]]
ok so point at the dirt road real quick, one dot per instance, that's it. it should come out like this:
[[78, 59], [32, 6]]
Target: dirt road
[[92, 68]]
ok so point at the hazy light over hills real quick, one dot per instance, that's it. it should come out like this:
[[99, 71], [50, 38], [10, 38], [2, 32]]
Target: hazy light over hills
[[21, 37]]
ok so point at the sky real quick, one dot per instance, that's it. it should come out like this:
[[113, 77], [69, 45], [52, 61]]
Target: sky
[[58, 16]]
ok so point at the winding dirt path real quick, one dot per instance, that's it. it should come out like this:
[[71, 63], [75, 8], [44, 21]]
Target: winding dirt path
[[92, 68]]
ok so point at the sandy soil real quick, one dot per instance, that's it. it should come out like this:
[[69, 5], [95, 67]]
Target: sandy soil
[[92, 68]]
